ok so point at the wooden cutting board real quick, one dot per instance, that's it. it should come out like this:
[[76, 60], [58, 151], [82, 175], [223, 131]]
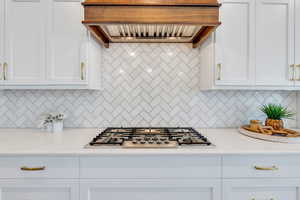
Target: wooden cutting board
[[282, 136], [282, 133]]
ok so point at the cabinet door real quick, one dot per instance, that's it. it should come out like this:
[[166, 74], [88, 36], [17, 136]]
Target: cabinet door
[[297, 42], [151, 190], [25, 40], [67, 41], [235, 43], [1, 40], [38, 190], [274, 42], [261, 189]]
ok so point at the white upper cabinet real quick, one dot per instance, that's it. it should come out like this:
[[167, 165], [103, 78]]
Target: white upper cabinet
[[67, 42], [297, 40], [297, 14], [46, 46], [274, 42], [1, 40], [25, 55], [254, 47], [235, 43]]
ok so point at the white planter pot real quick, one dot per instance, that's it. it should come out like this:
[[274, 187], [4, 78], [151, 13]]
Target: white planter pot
[[49, 128], [57, 126]]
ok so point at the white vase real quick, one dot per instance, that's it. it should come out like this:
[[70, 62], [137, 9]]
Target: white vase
[[57, 126], [48, 127]]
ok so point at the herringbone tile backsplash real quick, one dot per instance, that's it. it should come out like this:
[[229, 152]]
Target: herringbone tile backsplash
[[143, 85]]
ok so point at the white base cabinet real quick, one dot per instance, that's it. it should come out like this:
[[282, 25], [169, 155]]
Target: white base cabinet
[[260, 177], [150, 177], [39, 189], [150, 167], [204, 189], [261, 189], [39, 178]]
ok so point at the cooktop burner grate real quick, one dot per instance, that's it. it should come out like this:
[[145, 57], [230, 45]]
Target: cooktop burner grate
[[145, 137]]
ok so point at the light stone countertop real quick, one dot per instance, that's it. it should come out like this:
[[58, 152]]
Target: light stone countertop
[[72, 142]]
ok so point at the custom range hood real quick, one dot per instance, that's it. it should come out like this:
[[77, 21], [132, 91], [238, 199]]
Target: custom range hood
[[143, 21]]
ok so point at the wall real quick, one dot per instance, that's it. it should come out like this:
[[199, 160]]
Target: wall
[[143, 85]]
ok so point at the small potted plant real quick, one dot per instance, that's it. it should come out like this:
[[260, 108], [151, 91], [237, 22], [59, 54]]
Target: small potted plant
[[275, 113], [53, 122]]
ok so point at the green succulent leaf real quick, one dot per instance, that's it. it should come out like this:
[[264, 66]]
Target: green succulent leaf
[[276, 111]]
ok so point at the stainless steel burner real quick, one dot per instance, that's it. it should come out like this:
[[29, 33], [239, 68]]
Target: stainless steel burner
[[149, 131], [117, 130]]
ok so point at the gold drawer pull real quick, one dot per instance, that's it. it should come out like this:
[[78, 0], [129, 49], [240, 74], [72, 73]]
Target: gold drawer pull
[[1, 78], [273, 168], [82, 71], [298, 78], [24, 168], [4, 71], [293, 74], [219, 71]]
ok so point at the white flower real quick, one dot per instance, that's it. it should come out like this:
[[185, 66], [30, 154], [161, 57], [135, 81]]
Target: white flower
[[49, 118]]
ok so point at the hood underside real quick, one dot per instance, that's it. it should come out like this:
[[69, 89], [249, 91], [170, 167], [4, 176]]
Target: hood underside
[[142, 21]]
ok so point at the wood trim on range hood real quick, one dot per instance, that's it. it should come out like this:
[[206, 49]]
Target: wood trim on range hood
[[140, 21]]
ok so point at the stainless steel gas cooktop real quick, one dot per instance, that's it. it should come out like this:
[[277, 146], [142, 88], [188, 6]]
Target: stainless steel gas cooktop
[[145, 137]]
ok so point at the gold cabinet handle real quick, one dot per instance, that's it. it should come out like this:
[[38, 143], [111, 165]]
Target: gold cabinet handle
[[82, 70], [24, 168], [293, 74], [5, 66], [1, 78], [219, 71], [272, 168], [298, 78]]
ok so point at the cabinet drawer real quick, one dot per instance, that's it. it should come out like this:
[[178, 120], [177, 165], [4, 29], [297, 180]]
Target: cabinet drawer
[[261, 166], [261, 189], [150, 166], [39, 167], [145, 189]]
